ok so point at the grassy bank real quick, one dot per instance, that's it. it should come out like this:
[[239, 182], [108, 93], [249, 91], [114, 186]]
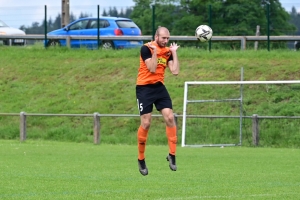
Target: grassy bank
[[63, 81]]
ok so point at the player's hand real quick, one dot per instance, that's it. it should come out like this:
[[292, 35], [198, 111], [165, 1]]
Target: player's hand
[[174, 46], [150, 45]]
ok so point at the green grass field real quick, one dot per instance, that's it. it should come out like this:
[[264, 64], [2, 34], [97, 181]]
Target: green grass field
[[62, 170]]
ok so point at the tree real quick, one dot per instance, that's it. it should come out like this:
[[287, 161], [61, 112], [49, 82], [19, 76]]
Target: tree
[[57, 22], [191, 15], [181, 17], [279, 19], [165, 14], [228, 17], [104, 13], [72, 17], [113, 12], [83, 15], [239, 17], [121, 13], [141, 15], [128, 12], [295, 19]]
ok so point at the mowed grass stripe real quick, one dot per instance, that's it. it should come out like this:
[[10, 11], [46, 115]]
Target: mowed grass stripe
[[61, 170]]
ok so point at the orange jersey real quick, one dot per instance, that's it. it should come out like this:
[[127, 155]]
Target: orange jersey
[[145, 77]]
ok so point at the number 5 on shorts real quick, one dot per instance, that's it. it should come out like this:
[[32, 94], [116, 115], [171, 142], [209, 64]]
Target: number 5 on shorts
[[140, 105]]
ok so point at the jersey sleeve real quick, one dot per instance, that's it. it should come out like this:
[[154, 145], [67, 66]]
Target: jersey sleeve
[[145, 53], [170, 58]]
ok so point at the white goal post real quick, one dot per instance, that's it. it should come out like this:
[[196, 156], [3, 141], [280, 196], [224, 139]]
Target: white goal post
[[187, 101]]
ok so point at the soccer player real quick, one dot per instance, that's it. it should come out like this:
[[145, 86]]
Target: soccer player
[[155, 57]]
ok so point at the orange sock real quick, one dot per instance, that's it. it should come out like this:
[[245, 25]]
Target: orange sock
[[142, 135], [172, 139]]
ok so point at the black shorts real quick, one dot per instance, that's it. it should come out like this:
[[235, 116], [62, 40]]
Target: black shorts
[[147, 95]]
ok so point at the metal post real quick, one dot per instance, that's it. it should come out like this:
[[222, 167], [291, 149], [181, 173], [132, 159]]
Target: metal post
[[45, 26], [98, 26], [68, 41], [22, 126], [243, 43], [255, 130], [153, 21], [268, 28], [241, 106], [96, 128], [257, 34], [209, 19]]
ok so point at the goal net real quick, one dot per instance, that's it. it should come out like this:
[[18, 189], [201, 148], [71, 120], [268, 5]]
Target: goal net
[[214, 111]]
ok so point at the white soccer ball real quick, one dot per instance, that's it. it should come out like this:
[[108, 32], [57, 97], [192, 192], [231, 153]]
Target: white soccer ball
[[203, 33]]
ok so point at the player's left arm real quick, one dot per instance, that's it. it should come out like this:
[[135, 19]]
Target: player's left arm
[[174, 63]]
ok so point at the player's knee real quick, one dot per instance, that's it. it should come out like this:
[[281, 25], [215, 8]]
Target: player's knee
[[142, 139], [173, 139], [170, 120], [146, 125]]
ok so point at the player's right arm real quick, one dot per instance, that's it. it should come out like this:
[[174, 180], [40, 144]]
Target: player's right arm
[[150, 58]]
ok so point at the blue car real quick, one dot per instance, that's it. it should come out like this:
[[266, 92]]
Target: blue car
[[109, 26]]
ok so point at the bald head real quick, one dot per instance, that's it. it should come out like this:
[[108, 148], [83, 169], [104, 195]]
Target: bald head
[[162, 30], [162, 36]]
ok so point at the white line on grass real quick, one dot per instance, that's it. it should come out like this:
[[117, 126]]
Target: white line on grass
[[228, 197]]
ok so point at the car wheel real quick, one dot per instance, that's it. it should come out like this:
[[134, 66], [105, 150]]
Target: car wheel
[[53, 43], [6, 42], [107, 44]]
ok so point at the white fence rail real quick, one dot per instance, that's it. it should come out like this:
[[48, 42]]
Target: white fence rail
[[242, 39]]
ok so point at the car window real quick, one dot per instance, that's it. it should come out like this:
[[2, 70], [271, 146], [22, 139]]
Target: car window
[[2, 24], [93, 24], [103, 24], [126, 24], [79, 25]]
